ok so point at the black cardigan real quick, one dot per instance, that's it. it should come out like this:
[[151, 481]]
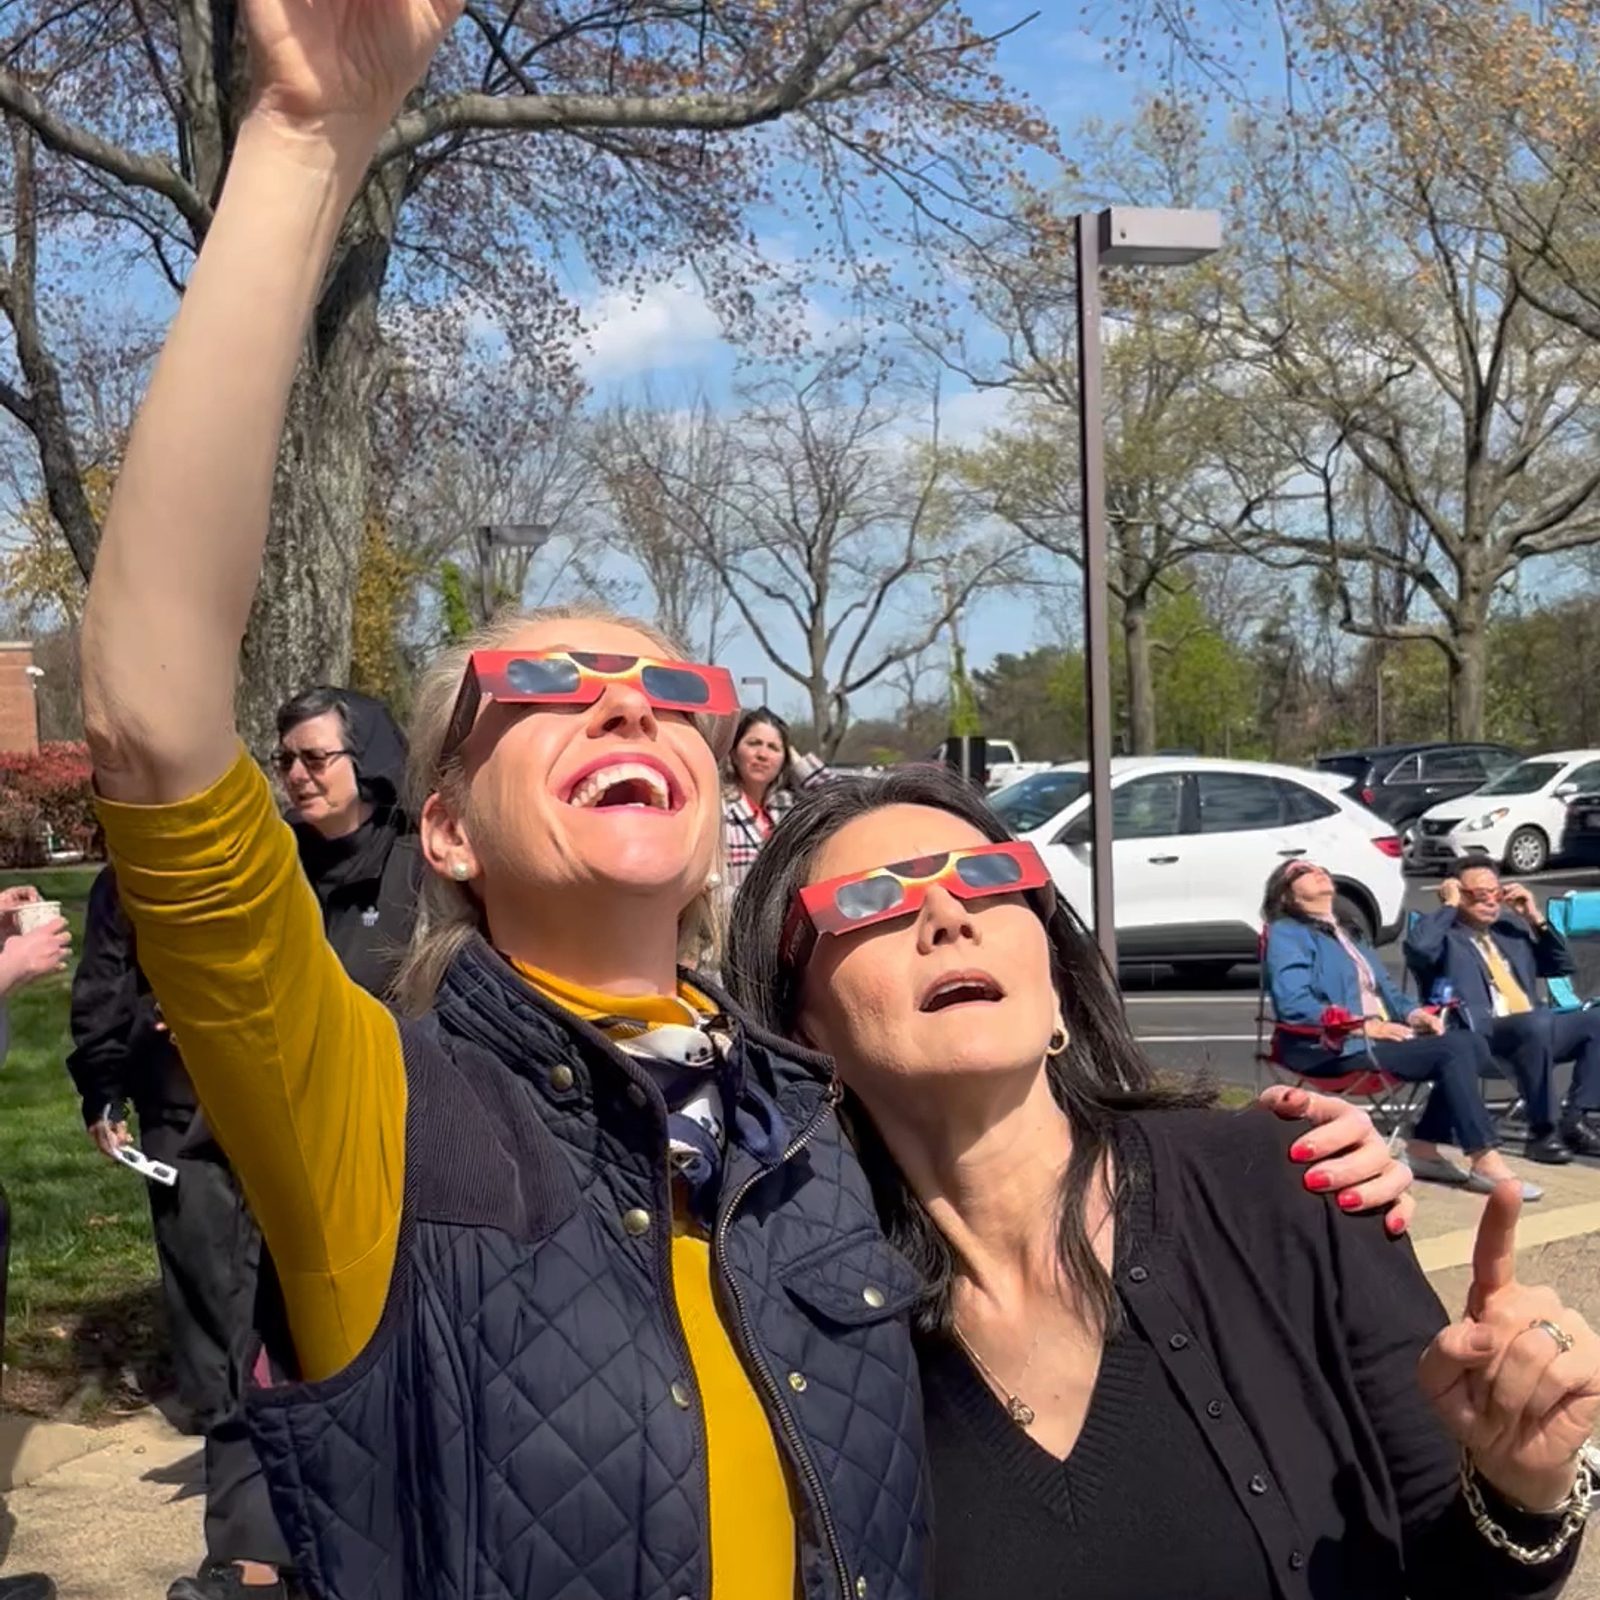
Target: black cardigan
[[1291, 1334]]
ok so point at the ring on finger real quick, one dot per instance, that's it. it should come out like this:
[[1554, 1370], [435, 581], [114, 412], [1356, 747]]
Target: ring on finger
[[1563, 1339]]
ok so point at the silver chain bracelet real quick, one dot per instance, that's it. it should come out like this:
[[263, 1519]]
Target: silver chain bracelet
[[1573, 1511]]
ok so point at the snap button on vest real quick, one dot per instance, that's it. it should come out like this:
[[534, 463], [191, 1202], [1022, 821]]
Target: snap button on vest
[[561, 1079], [636, 1222], [680, 1394], [873, 1295], [797, 1382]]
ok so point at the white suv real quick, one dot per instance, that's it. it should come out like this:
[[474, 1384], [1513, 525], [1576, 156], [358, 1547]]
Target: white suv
[[1194, 842], [1516, 819]]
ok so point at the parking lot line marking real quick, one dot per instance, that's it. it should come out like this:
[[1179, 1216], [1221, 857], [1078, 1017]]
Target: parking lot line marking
[[1240, 999], [1454, 1249], [1195, 1038]]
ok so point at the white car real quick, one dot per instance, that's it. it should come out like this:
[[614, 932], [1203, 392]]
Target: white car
[[1516, 819], [1194, 842]]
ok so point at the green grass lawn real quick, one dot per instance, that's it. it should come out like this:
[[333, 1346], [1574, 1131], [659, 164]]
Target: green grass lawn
[[82, 1304]]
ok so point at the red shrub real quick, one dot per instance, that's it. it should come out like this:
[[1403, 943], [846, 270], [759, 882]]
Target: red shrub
[[50, 791]]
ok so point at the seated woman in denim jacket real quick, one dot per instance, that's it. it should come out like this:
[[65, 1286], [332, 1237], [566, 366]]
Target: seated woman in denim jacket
[[1318, 975]]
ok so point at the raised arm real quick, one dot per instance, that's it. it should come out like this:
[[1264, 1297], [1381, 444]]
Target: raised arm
[[181, 552]]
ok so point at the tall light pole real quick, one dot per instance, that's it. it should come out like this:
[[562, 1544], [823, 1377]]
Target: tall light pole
[[1119, 236], [492, 536], [760, 683]]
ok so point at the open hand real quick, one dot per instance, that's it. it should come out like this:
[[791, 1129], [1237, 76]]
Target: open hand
[[1501, 1381], [1394, 1032], [1347, 1157], [317, 63]]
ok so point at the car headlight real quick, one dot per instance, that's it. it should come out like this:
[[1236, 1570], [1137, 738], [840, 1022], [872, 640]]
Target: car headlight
[[1487, 820]]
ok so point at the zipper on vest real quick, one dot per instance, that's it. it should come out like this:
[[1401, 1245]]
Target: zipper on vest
[[665, 1281], [791, 1429]]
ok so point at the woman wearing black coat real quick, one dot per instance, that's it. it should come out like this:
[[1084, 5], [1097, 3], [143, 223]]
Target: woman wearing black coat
[[341, 758]]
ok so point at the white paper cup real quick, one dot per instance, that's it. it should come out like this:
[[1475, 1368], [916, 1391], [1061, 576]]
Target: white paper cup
[[36, 913]]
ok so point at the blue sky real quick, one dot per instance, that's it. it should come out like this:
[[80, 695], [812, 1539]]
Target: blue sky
[[669, 339]]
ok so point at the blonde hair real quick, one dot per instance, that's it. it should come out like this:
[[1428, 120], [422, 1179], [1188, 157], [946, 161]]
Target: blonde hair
[[448, 913]]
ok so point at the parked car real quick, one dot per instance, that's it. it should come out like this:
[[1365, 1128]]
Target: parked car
[[1581, 842], [1003, 762], [1399, 782], [1518, 819], [1193, 844]]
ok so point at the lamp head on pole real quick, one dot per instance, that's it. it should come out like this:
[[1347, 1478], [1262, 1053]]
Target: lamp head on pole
[[1142, 236]]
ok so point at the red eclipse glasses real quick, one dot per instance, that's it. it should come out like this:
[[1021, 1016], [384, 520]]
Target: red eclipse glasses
[[579, 678], [860, 899]]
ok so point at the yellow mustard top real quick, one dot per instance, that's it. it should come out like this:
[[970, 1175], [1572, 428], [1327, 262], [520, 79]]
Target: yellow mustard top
[[301, 1075]]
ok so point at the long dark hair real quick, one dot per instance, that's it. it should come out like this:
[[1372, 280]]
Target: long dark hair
[[751, 719], [1100, 1073]]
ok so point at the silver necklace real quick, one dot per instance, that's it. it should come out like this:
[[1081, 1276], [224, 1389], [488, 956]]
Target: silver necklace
[[1017, 1408]]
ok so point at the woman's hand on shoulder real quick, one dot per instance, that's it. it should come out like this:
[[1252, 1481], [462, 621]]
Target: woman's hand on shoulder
[[1517, 1380], [1345, 1156]]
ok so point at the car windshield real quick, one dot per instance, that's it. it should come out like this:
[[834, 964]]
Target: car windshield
[[1034, 801], [1527, 777]]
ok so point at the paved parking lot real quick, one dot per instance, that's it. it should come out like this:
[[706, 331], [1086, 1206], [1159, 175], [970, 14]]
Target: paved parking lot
[[1192, 1030]]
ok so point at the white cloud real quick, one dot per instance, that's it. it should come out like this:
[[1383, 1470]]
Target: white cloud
[[628, 335], [1080, 47], [966, 417]]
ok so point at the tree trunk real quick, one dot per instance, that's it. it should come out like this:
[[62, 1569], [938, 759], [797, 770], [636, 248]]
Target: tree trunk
[[299, 632], [1468, 671], [1141, 686]]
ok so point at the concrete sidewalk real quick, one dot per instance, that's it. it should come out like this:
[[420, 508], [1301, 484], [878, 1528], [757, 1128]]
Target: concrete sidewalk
[[120, 1516]]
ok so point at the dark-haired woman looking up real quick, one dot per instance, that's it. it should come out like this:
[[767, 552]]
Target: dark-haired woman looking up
[[1151, 1370]]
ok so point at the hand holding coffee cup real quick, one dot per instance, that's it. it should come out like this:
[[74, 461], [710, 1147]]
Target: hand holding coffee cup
[[43, 946], [10, 899], [36, 913]]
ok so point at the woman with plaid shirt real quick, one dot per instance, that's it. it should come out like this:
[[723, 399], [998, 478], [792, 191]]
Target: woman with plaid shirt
[[762, 780]]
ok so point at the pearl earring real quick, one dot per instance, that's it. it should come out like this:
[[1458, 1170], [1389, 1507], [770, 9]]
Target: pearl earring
[[713, 880], [460, 871]]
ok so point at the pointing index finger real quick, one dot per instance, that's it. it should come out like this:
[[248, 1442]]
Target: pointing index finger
[[1494, 1252]]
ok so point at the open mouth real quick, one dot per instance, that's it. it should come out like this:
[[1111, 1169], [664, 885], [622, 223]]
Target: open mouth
[[962, 989], [625, 785]]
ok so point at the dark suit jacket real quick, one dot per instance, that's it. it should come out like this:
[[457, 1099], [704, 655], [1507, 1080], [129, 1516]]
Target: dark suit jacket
[[1438, 946]]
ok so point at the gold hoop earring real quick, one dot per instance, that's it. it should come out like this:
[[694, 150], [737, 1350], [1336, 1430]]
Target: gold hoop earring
[[1059, 1040]]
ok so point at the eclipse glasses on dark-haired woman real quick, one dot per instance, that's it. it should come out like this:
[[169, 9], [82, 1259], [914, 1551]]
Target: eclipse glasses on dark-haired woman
[[878, 894]]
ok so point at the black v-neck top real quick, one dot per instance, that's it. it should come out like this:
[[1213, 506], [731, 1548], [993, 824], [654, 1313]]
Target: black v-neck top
[[1255, 1430]]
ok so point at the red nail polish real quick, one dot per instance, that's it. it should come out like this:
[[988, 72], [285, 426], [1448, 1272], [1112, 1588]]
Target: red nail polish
[[1396, 1226], [1301, 1152], [1349, 1200], [1316, 1180]]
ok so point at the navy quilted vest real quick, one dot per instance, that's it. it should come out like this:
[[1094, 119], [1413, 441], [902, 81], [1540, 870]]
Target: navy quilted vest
[[516, 1428]]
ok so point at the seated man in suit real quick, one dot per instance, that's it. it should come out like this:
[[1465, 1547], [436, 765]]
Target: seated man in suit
[[1490, 941]]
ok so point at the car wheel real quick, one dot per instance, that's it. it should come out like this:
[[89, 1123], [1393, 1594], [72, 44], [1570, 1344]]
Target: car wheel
[[1352, 914], [1527, 851], [1201, 974]]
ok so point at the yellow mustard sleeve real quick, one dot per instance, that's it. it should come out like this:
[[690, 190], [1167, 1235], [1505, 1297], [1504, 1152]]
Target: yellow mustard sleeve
[[299, 1069]]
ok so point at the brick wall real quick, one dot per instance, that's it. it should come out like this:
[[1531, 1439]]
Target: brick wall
[[19, 726]]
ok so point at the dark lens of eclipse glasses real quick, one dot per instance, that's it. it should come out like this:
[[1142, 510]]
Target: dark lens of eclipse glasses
[[528, 676], [676, 686], [869, 898], [989, 872]]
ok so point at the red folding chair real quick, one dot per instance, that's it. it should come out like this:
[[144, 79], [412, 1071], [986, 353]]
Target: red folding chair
[[1388, 1100]]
